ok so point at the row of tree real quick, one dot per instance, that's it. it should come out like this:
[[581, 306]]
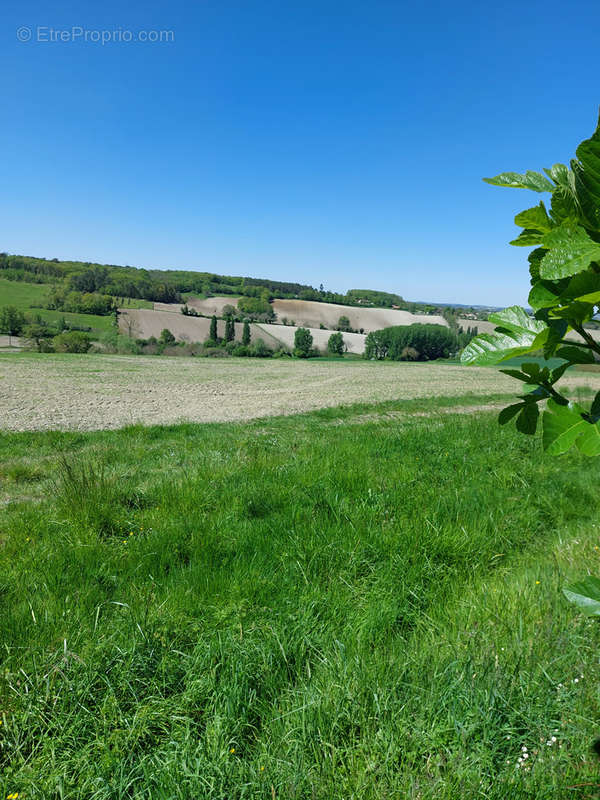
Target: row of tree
[[419, 342]]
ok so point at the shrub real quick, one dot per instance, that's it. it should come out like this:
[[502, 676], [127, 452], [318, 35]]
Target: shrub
[[213, 335], [36, 335], [72, 342], [166, 337], [344, 324], [260, 350], [229, 329]]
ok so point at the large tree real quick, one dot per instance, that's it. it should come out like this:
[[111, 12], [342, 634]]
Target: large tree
[[335, 344], [12, 322], [303, 342]]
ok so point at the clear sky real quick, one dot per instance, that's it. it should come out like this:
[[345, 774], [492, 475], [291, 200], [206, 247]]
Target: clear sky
[[320, 141]]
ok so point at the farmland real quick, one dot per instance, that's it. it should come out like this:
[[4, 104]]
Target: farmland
[[82, 392]]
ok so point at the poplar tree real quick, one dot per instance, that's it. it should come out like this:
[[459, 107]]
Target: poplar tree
[[229, 329], [213, 330], [246, 334]]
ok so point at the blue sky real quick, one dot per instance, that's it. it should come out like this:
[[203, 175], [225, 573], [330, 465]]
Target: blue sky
[[327, 142]]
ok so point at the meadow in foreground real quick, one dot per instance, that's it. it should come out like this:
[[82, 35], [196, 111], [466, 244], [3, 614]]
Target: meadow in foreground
[[296, 608]]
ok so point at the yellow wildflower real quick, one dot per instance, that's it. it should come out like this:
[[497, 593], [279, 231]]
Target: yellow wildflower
[[232, 750]]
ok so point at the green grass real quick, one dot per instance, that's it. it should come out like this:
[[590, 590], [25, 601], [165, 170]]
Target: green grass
[[22, 295], [296, 608], [98, 324], [29, 296]]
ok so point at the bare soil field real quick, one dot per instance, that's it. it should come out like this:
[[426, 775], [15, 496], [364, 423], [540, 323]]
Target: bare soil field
[[310, 314], [208, 306], [88, 392], [355, 342], [141, 323]]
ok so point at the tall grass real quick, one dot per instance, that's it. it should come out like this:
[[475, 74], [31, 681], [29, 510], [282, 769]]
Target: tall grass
[[298, 609]]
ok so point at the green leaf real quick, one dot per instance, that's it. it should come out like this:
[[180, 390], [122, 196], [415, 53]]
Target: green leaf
[[564, 427], [559, 173], [535, 259], [528, 238], [585, 594], [558, 372], [585, 287], [589, 441], [534, 371], [535, 218], [575, 312], [528, 419], [514, 373], [564, 206], [595, 409], [587, 179], [509, 412], [576, 355], [518, 334], [530, 180], [570, 250], [517, 320], [543, 295]]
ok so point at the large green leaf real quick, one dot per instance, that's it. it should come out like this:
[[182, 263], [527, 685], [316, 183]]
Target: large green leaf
[[544, 295], [584, 287], [570, 250], [559, 173], [528, 419], [517, 320], [535, 218], [564, 427], [576, 355], [563, 206], [586, 595], [530, 180], [517, 333], [587, 179], [589, 441]]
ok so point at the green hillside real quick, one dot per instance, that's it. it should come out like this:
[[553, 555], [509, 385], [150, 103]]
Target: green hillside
[[164, 285]]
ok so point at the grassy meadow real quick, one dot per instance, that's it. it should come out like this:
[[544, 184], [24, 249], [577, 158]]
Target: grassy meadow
[[28, 297], [327, 605]]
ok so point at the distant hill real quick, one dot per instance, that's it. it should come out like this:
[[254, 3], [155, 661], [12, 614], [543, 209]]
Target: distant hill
[[174, 286]]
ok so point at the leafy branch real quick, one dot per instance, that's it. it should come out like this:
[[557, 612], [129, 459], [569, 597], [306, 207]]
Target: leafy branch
[[564, 269]]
